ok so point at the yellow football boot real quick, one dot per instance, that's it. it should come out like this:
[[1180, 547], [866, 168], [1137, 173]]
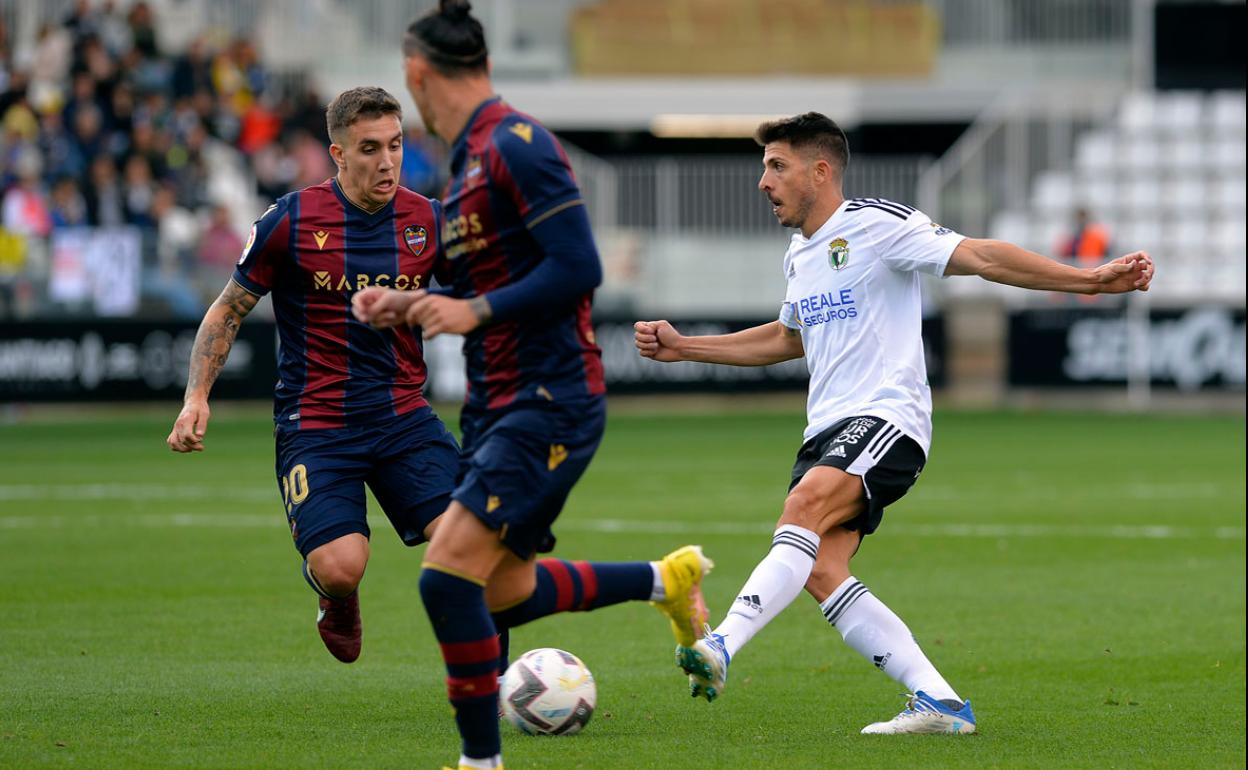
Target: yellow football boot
[[682, 571]]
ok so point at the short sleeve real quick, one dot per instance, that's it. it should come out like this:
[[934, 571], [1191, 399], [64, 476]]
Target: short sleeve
[[267, 247], [531, 167], [915, 243], [788, 316]]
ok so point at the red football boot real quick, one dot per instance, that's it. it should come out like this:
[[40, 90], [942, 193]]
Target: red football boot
[[340, 628]]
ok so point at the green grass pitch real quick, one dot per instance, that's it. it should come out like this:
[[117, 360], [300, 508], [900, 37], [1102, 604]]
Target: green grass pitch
[[1080, 578]]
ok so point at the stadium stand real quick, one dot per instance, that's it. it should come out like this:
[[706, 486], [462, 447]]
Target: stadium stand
[[1165, 174], [174, 154]]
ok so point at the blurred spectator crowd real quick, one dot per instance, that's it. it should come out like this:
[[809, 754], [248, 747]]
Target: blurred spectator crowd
[[101, 128]]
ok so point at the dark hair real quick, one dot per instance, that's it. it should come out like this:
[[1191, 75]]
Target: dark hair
[[810, 130], [360, 102], [450, 37]]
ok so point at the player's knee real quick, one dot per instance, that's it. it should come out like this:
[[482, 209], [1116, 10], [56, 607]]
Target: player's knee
[[803, 508], [337, 573]]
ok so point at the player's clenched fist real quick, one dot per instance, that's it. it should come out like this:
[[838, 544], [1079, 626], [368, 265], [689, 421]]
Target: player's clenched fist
[[1134, 272], [381, 307], [436, 314], [188, 430], [657, 339]]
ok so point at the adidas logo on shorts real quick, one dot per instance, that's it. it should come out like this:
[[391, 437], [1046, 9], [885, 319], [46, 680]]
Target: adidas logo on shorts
[[837, 451]]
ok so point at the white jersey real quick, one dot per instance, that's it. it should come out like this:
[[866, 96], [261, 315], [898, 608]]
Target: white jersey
[[853, 293]]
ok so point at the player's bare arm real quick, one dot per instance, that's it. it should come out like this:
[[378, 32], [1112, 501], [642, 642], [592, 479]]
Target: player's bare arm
[[212, 347], [770, 343], [1002, 262]]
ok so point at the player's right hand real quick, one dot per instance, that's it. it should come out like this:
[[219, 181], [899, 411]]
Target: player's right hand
[[657, 340], [189, 429]]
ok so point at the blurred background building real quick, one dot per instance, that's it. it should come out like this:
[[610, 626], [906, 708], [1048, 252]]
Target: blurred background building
[[138, 140]]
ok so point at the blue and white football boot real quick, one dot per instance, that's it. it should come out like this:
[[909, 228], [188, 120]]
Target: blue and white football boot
[[706, 663], [925, 714]]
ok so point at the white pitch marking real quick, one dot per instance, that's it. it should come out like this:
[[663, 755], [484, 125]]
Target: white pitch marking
[[633, 527], [131, 492]]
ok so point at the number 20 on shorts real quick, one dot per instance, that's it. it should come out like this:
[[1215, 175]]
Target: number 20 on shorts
[[295, 486]]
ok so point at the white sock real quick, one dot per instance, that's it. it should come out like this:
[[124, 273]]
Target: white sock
[[773, 585], [882, 638], [657, 591], [486, 763]]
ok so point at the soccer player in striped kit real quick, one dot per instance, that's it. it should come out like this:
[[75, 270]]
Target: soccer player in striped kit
[[521, 267], [853, 310], [349, 407]]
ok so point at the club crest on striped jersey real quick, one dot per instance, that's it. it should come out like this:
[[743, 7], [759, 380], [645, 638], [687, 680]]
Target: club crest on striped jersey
[[416, 237], [473, 169], [838, 253]]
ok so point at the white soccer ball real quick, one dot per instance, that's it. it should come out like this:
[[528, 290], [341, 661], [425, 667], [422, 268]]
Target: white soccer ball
[[548, 692]]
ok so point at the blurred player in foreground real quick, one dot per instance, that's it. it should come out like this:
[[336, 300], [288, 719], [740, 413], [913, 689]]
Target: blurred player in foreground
[[349, 407], [853, 310], [521, 270]]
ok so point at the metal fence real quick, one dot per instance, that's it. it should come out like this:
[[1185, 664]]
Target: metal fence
[[714, 194], [992, 166]]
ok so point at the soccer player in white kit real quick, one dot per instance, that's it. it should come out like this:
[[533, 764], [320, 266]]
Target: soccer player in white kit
[[853, 309]]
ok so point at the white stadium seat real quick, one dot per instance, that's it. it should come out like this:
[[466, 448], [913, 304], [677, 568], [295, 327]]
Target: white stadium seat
[[1097, 151], [1012, 226], [1139, 153], [1179, 112], [1142, 196], [1136, 114], [1186, 240], [1228, 240], [1186, 194], [1054, 192], [1142, 233], [1048, 233], [1225, 112], [1227, 155], [1099, 193], [1228, 195], [1182, 154]]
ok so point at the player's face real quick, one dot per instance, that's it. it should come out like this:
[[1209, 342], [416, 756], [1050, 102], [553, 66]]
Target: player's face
[[370, 160], [415, 71], [788, 183]]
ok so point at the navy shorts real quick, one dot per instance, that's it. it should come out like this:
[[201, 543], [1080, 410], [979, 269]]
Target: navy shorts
[[520, 463], [888, 461], [408, 461]]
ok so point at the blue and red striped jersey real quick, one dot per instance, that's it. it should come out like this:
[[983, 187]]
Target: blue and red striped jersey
[[313, 249], [508, 175]]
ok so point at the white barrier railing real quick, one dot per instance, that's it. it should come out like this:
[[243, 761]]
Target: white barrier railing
[[714, 194]]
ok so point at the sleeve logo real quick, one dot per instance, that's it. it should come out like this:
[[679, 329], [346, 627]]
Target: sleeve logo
[[524, 131], [838, 253], [416, 237], [251, 241]]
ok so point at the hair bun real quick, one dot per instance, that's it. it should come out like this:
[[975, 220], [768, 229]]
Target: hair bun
[[457, 10]]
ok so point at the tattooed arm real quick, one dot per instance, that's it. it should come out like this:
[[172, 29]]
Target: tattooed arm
[[212, 347]]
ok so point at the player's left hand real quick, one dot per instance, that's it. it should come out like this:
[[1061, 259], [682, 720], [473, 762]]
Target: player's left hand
[[1133, 272], [436, 314], [381, 307]]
